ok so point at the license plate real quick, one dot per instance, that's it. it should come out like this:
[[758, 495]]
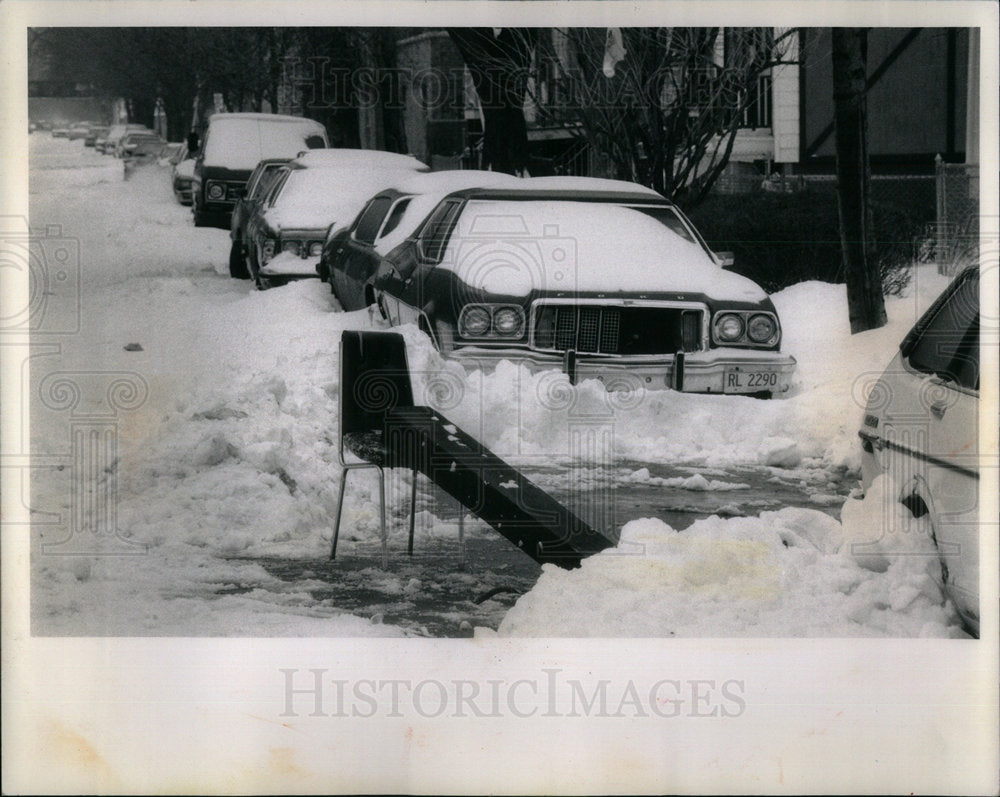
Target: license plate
[[750, 381]]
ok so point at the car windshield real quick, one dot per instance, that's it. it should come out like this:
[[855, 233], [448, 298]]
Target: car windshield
[[667, 217], [948, 344]]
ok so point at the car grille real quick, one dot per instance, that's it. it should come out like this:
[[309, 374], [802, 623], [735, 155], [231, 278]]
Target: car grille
[[617, 329]]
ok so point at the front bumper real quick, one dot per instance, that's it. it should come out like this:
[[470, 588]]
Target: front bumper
[[289, 265], [697, 372], [211, 217]]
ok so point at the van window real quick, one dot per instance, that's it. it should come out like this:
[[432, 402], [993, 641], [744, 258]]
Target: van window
[[948, 343]]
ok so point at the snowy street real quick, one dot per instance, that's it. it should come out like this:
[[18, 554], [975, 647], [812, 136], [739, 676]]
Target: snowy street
[[733, 515]]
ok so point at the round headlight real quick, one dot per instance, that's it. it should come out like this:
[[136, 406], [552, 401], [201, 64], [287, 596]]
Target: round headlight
[[761, 328], [508, 321], [290, 246], [216, 191], [315, 248], [729, 327], [475, 321]]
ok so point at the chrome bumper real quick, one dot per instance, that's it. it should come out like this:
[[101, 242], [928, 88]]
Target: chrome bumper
[[697, 372]]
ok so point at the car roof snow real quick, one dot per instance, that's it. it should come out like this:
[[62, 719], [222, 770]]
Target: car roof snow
[[534, 195]]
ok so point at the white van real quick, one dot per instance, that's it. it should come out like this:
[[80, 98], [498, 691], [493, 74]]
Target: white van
[[234, 144], [921, 428]]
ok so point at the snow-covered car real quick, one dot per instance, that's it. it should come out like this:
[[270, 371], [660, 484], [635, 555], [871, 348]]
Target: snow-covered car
[[60, 130], [260, 181], [78, 130], [94, 133], [115, 134], [234, 144], [139, 147], [920, 428], [181, 177], [351, 255], [171, 153], [286, 231], [598, 282], [345, 158]]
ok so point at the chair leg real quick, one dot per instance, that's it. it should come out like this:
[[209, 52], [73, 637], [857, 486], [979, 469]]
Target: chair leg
[[461, 533], [413, 511], [340, 511], [385, 537]]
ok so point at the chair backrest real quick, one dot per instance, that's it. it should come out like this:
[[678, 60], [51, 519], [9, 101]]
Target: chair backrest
[[374, 378]]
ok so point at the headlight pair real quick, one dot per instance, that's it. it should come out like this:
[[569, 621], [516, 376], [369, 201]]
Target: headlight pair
[[491, 320], [744, 327], [303, 248]]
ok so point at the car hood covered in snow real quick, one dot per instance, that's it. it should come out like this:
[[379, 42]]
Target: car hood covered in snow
[[513, 248]]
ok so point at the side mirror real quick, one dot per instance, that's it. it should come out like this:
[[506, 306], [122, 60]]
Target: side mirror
[[725, 259], [192, 142]]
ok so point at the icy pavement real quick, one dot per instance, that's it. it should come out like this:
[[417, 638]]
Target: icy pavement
[[225, 466]]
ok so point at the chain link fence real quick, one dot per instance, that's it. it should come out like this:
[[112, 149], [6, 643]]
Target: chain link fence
[[952, 241]]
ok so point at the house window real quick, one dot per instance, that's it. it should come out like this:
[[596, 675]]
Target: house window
[[746, 50]]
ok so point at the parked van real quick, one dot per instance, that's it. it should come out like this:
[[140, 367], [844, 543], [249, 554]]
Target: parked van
[[234, 144], [921, 429]]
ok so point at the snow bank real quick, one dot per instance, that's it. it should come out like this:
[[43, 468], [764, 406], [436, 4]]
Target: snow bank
[[697, 482], [795, 572], [71, 167]]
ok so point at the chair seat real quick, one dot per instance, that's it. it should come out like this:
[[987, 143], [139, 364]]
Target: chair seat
[[368, 446]]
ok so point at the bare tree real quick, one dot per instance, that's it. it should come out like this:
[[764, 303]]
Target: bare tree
[[866, 306], [663, 105], [499, 64]]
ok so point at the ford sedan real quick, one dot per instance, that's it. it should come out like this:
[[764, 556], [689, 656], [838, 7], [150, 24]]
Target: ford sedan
[[601, 283]]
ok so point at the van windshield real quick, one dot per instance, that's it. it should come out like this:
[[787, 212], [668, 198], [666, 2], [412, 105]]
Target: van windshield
[[243, 143]]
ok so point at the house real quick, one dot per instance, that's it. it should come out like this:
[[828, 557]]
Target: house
[[786, 126]]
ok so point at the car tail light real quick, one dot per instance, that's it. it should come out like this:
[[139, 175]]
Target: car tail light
[[267, 250], [761, 328], [315, 248]]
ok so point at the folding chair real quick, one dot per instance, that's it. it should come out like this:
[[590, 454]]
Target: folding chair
[[374, 379]]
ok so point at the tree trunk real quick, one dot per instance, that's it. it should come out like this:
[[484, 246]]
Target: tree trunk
[[865, 305], [371, 126], [498, 65]]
